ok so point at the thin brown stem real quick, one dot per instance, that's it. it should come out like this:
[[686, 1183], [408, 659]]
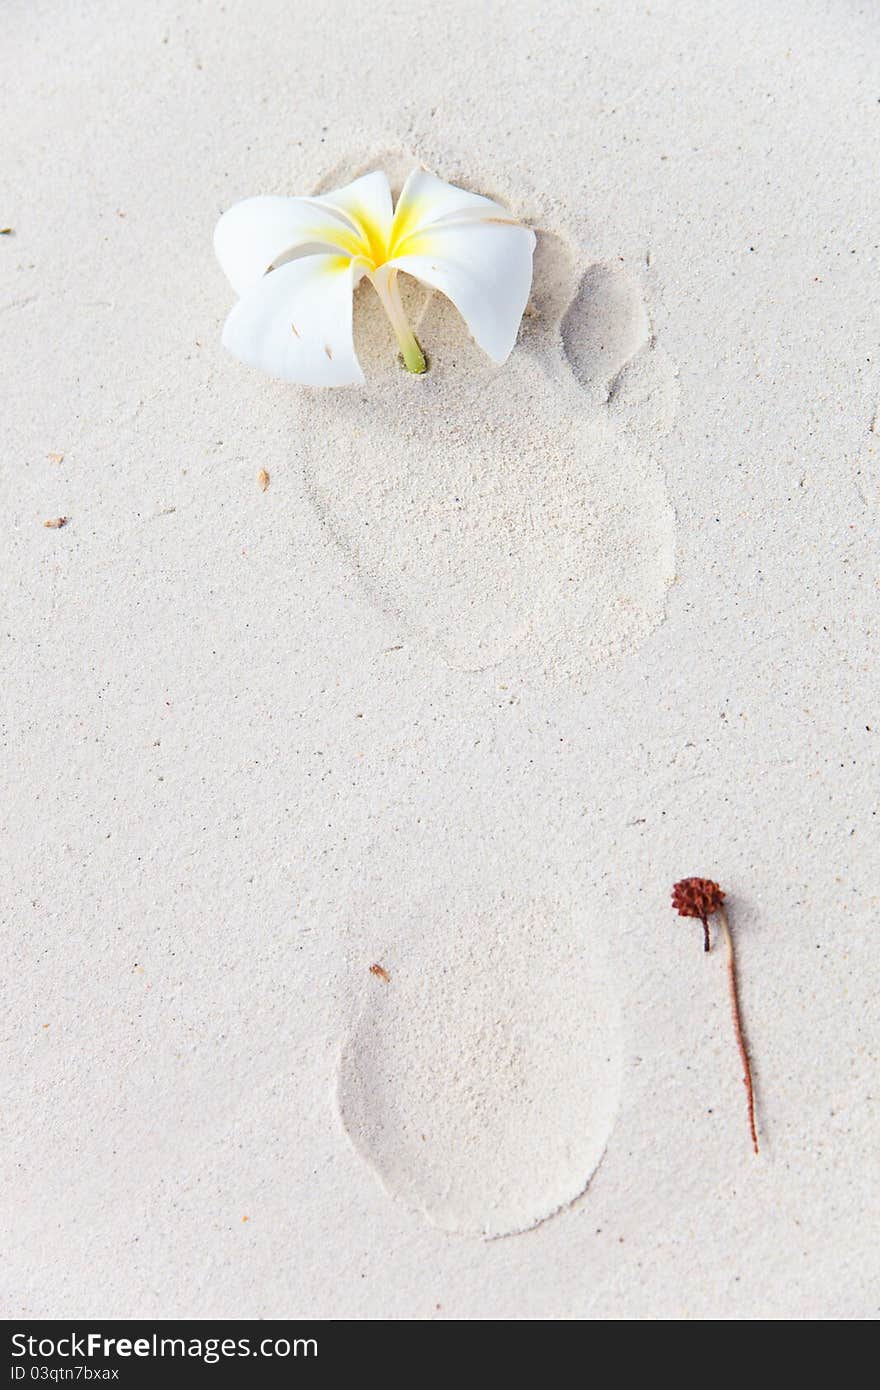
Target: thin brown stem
[[737, 1025], [706, 940]]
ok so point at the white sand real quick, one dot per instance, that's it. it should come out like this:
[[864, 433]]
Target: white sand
[[496, 657]]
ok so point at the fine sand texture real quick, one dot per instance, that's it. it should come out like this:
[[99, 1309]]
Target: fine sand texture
[[353, 740]]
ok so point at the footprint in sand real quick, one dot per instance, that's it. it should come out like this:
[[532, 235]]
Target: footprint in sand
[[505, 515], [481, 1083]]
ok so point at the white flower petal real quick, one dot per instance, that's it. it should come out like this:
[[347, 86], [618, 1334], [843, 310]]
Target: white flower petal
[[425, 200], [485, 268], [296, 323], [255, 233], [367, 204]]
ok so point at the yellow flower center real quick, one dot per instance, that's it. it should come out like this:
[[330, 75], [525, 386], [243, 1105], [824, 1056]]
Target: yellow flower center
[[370, 244], [370, 247]]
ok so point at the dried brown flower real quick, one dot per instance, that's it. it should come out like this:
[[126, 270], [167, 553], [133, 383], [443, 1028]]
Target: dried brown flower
[[701, 898], [697, 897]]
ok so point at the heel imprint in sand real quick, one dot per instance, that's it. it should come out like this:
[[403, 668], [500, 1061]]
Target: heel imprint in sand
[[480, 1080], [295, 263], [702, 899]]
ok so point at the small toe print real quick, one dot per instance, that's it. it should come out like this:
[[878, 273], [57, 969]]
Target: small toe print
[[611, 349], [605, 325]]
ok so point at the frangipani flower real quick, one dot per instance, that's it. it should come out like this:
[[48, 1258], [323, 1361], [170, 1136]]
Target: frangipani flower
[[294, 262]]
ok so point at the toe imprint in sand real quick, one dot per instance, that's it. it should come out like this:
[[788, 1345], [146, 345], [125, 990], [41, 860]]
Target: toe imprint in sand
[[612, 351], [483, 1083], [506, 515]]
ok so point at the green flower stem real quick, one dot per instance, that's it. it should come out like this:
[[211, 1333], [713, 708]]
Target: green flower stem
[[385, 282]]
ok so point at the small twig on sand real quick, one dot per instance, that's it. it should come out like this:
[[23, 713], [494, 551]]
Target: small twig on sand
[[737, 1025]]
